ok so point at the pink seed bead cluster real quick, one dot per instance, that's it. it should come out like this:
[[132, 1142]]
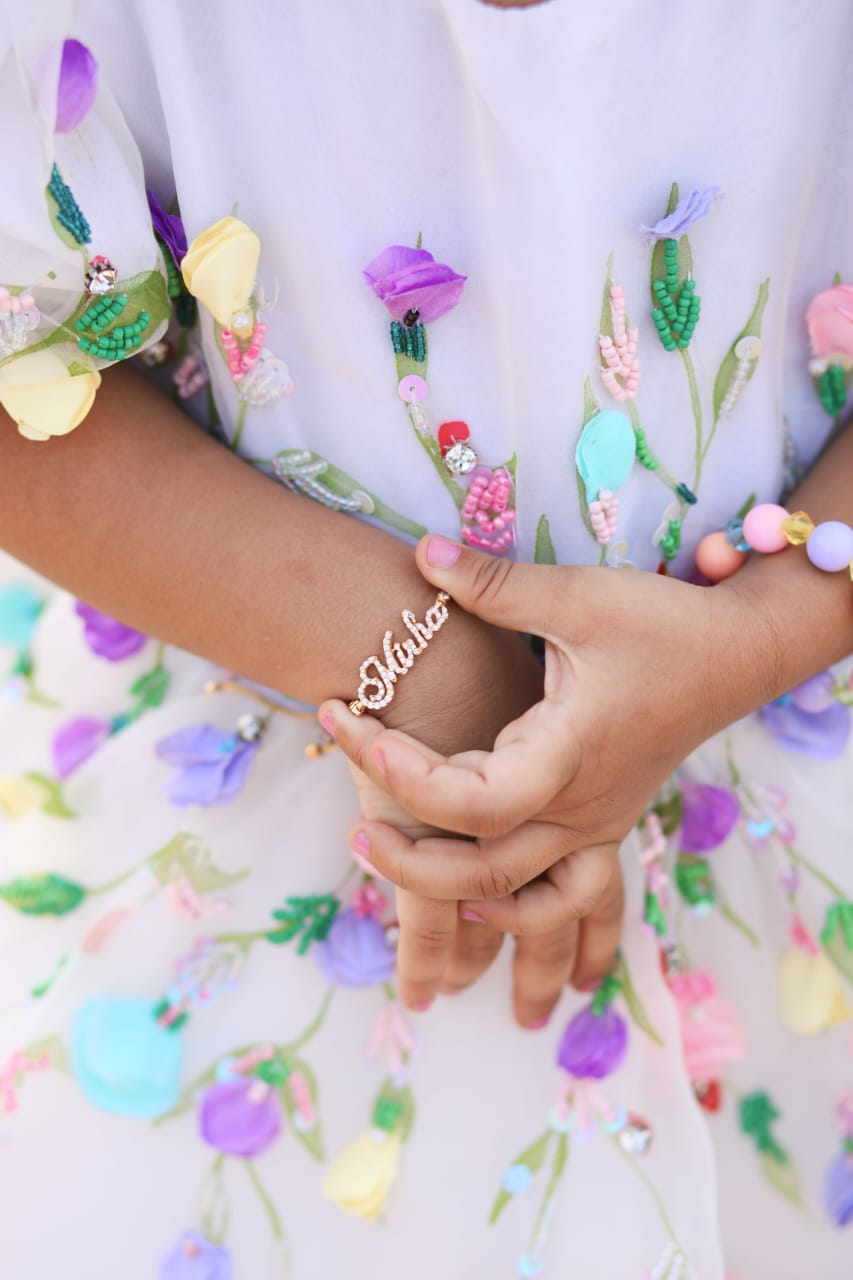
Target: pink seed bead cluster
[[604, 516], [190, 376], [619, 353], [488, 522], [242, 362]]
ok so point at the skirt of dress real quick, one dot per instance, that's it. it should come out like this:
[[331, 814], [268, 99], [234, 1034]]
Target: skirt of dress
[[204, 1072]]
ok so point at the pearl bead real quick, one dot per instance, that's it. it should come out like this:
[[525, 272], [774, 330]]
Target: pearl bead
[[762, 527]]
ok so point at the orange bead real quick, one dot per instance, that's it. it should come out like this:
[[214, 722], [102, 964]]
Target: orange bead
[[717, 558]]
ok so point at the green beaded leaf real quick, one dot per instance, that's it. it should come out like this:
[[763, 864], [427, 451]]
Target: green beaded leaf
[[151, 687], [185, 857], [544, 553], [45, 895], [307, 918], [53, 802], [636, 1008], [401, 1098], [147, 292], [782, 1177], [311, 1139], [728, 369], [590, 409], [533, 1158], [62, 232]]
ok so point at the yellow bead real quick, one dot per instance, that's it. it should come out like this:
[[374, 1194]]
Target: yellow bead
[[798, 528]]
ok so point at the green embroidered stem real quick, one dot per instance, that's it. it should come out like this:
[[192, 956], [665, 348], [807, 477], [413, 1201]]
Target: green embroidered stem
[[450, 483], [602, 557], [213, 418], [117, 880], [339, 481], [802, 861], [315, 1025], [738, 921], [272, 1214], [696, 407], [653, 1192], [557, 1168], [238, 429]]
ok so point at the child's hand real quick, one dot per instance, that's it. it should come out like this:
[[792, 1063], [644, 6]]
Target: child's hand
[[639, 670]]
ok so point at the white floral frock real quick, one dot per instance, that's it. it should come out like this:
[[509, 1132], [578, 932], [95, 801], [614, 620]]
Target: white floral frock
[[536, 279]]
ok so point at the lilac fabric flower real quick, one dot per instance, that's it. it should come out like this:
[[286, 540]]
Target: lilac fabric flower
[[240, 1117], [817, 694], [76, 741], [355, 952], [823, 735], [212, 766], [411, 280], [78, 85], [838, 1190], [169, 228], [195, 1258], [106, 637], [593, 1044], [686, 214], [708, 815]]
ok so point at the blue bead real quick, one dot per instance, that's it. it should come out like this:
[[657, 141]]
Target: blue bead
[[517, 1179]]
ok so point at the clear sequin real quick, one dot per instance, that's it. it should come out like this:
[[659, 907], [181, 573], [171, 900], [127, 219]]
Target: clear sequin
[[460, 459]]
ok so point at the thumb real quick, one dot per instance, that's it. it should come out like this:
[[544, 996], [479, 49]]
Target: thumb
[[518, 597]]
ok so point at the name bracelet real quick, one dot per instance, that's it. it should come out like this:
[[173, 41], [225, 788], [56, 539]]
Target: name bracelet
[[379, 676]]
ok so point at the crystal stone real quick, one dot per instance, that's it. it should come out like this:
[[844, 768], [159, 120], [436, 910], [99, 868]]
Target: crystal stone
[[249, 728], [636, 1136], [100, 277], [798, 528], [460, 459]]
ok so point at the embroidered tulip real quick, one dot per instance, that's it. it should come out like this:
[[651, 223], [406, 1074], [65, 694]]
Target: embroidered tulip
[[169, 227], [212, 766], [19, 612], [838, 1189], [220, 268], [195, 1258], [123, 1059], [708, 816], [593, 1044], [106, 637], [355, 952], [811, 995], [685, 215], [711, 1035], [829, 320], [240, 1117], [821, 734], [411, 281], [78, 84], [360, 1178], [51, 407], [76, 741]]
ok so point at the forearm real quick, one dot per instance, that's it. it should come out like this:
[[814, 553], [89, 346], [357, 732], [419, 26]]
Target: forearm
[[143, 516], [795, 619]]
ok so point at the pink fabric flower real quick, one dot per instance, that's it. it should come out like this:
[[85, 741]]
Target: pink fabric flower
[[710, 1032], [829, 320]]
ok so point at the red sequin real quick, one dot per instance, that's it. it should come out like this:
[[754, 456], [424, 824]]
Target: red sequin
[[450, 433]]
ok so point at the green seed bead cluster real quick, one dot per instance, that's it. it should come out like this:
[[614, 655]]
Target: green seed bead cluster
[[386, 1113], [409, 340], [111, 343], [645, 457], [832, 387], [671, 544], [677, 313], [161, 1008], [694, 880], [175, 284], [69, 213]]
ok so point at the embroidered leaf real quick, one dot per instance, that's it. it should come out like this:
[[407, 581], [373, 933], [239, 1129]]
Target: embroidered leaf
[[45, 895], [400, 1099], [185, 857], [147, 292], [840, 955], [511, 467], [605, 325], [533, 1158], [590, 409], [52, 1048], [544, 553], [338, 482], [658, 269], [728, 370], [781, 1176], [311, 1136], [61, 231], [53, 802], [590, 405], [635, 1006], [151, 687]]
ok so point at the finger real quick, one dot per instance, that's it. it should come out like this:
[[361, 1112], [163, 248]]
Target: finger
[[424, 947], [600, 932], [519, 597], [475, 948], [541, 968], [569, 890], [445, 868]]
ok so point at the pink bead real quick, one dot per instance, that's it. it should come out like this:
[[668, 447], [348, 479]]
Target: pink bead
[[717, 558], [762, 528]]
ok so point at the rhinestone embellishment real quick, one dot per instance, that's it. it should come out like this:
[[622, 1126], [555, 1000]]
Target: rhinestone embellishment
[[460, 459], [379, 675]]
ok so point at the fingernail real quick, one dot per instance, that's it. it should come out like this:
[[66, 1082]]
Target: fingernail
[[421, 1007], [366, 865], [592, 985], [379, 761], [472, 915], [538, 1024], [441, 553], [328, 723], [360, 843]]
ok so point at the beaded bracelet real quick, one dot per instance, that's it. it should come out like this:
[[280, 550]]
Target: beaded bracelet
[[769, 528], [379, 677]]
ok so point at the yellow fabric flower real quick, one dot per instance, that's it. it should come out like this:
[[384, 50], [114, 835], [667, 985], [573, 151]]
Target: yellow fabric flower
[[45, 399], [20, 795], [360, 1178], [220, 268], [812, 998]]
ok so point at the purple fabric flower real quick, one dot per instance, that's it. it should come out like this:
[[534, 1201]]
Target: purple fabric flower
[[838, 1190], [593, 1044], [76, 741], [708, 815], [106, 637], [240, 1117], [78, 84], [411, 280], [169, 228], [355, 952], [686, 214], [816, 694], [195, 1258], [212, 765], [822, 735]]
